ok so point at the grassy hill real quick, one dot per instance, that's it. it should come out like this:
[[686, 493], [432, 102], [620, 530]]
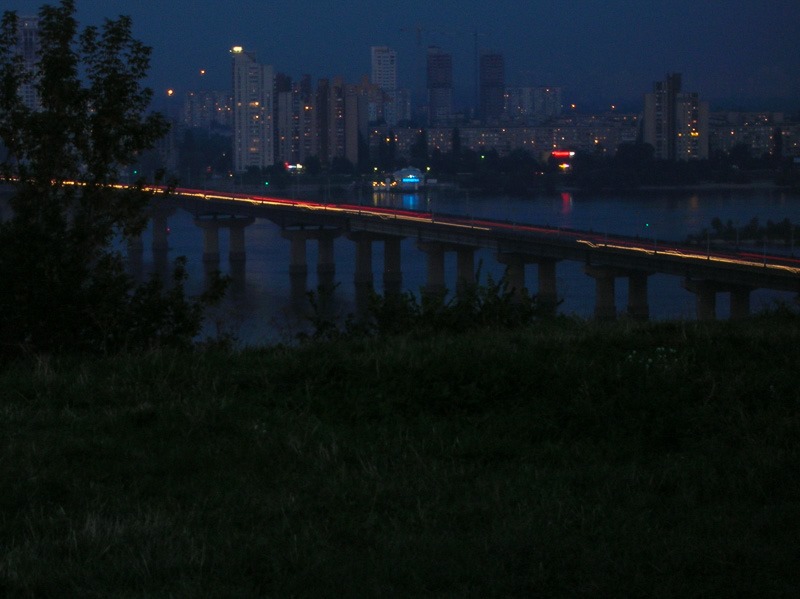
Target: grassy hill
[[561, 460]]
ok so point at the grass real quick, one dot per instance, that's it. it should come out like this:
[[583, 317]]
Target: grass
[[568, 460]]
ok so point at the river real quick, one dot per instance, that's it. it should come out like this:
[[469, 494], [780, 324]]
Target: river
[[261, 307]]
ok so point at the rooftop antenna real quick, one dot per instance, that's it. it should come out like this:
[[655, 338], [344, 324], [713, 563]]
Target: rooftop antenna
[[418, 30], [475, 35]]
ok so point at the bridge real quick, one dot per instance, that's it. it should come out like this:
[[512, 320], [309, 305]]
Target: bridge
[[605, 258]]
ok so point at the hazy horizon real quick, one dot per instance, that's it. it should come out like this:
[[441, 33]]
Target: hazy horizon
[[736, 54]]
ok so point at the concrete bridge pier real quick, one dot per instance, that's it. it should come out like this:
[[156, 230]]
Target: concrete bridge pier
[[434, 253], [605, 287], [211, 224], [237, 253], [604, 303], [326, 264], [210, 228], [237, 250], [547, 295], [392, 272], [298, 268], [638, 306], [740, 302], [298, 262], [515, 271], [363, 276], [298, 259], [706, 298]]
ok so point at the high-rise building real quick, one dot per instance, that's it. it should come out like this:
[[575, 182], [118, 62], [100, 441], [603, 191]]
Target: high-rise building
[[546, 103], [207, 109], [295, 120], [532, 105], [285, 125], [307, 126], [384, 67], [336, 119], [375, 100], [403, 103], [322, 104], [253, 134], [356, 123], [492, 86], [440, 86], [28, 47], [675, 122], [384, 75], [342, 116]]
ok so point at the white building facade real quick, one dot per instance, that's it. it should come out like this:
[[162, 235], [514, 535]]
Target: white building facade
[[675, 122], [28, 46], [384, 75], [253, 127]]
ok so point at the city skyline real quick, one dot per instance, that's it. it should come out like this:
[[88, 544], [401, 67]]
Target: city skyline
[[736, 54]]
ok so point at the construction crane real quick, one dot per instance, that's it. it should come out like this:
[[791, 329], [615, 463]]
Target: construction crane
[[419, 31], [475, 35]]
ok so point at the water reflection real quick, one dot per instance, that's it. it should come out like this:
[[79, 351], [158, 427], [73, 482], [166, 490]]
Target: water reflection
[[566, 202], [415, 201], [411, 201]]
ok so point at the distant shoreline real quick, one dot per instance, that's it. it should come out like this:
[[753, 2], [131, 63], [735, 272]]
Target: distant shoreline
[[697, 187], [755, 185]]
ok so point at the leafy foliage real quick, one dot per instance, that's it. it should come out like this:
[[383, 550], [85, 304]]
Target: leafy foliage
[[493, 305], [64, 286]]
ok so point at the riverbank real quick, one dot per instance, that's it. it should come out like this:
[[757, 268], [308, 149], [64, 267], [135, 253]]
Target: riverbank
[[569, 459], [754, 186], [345, 189]]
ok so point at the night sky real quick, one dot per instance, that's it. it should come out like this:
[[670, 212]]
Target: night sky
[[735, 53]]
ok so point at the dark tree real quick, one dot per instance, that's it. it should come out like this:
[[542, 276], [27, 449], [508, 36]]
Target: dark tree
[[741, 156], [64, 286], [202, 155], [312, 165], [777, 137], [456, 143], [419, 151], [363, 165], [341, 166], [636, 156], [387, 152]]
